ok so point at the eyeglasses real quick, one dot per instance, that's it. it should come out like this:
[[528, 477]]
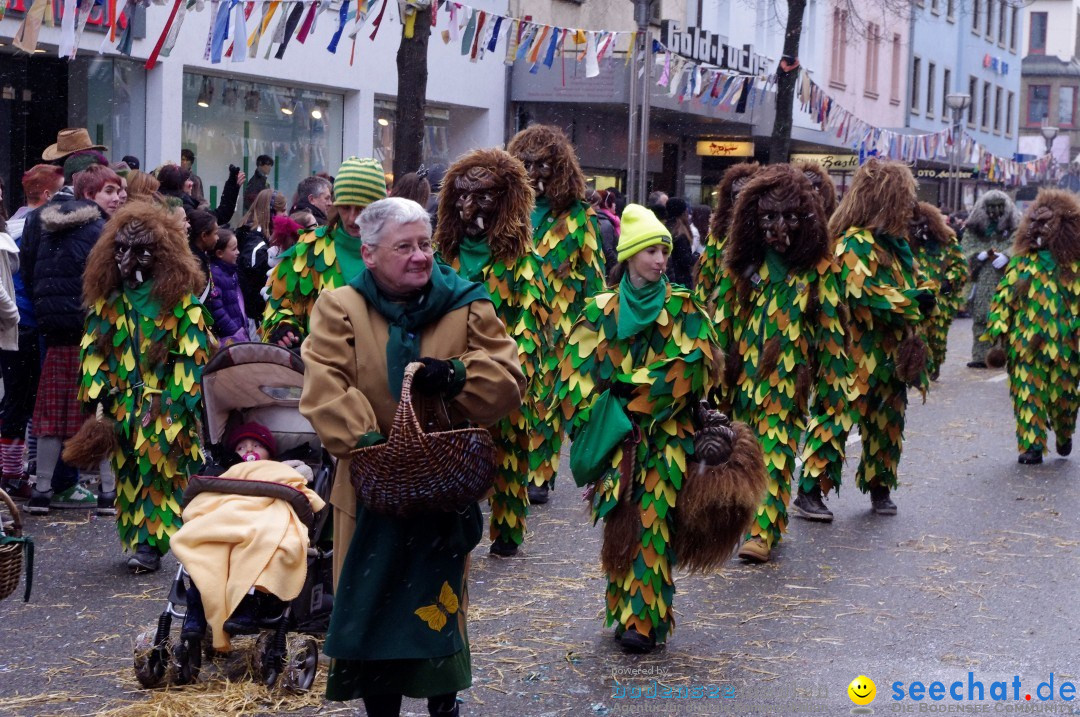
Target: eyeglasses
[[406, 249]]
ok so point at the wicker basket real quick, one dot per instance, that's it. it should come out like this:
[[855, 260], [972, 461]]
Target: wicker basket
[[416, 472], [12, 547]]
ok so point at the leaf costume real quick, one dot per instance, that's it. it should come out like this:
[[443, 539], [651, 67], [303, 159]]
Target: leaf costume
[[155, 403], [669, 365], [710, 268], [322, 259], [517, 292], [568, 246], [943, 264], [790, 335], [879, 284]]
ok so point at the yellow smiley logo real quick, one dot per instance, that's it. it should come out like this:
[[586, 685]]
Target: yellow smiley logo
[[862, 690]]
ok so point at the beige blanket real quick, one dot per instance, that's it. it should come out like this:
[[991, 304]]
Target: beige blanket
[[232, 543]]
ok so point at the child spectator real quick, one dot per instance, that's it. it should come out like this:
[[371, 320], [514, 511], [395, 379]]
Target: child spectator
[[226, 302]]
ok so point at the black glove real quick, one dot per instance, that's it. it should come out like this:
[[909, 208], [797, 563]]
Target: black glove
[[622, 389], [435, 377], [234, 172], [926, 302], [283, 330]]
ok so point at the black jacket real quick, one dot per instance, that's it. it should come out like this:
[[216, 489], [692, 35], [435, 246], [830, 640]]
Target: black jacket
[[304, 205], [255, 184], [680, 268], [54, 263], [608, 242], [253, 264]]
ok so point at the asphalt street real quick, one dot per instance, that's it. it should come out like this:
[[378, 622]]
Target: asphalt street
[[974, 581]]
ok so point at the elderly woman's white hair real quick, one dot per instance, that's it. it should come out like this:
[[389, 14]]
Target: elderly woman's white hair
[[392, 210]]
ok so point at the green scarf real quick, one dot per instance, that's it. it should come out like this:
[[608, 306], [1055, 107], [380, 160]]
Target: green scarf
[[778, 270], [899, 248], [143, 300], [541, 210], [1046, 260], [445, 292], [638, 308], [473, 255], [347, 249]]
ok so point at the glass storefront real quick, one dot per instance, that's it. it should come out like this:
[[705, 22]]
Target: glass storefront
[[230, 121], [436, 136]]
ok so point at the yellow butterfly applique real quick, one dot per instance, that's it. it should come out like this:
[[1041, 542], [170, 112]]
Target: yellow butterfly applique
[[435, 615]]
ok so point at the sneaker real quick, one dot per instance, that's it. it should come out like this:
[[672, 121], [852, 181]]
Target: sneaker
[[106, 503], [1064, 448], [18, 487], [755, 550], [810, 506], [634, 642], [74, 497], [1030, 458], [39, 502], [503, 548], [880, 502], [538, 494], [145, 560]]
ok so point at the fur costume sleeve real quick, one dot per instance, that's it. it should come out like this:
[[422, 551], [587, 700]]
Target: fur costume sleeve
[[709, 269], [957, 274], [1000, 319], [307, 269], [722, 302], [573, 264]]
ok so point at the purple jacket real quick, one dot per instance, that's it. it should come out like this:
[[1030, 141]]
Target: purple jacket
[[226, 304]]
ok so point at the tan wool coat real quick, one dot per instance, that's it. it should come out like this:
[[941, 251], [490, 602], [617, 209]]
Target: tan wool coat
[[346, 393]]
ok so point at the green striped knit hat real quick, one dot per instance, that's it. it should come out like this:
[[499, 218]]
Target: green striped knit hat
[[359, 182]]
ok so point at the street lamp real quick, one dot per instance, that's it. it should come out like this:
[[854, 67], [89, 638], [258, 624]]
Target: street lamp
[[957, 103], [1048, 133]]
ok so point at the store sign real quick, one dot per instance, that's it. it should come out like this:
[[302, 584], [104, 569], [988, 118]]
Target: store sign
[[705, 46], [97, 20], [945, 174], [997, 65], [830, 162], [725, 148]]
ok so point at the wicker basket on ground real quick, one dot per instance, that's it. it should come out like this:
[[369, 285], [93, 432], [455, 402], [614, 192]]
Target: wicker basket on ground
[[416, 472], [13, 548]]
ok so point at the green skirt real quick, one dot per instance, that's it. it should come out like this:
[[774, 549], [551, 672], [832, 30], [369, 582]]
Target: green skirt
[[355, 679]]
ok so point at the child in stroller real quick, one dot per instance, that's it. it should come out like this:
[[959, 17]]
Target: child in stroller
[[251, 392]]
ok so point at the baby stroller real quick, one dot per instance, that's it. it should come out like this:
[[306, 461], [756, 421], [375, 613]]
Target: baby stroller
[[252, 382]]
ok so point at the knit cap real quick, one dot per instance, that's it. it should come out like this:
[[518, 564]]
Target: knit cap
[[359, 182], [640, 230], [256, 432], [79, 161]]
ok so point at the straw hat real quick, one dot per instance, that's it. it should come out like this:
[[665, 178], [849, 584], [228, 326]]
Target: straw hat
[[68, 141]]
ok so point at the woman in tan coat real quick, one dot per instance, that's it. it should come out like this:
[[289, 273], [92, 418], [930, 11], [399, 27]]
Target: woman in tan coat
[[401, 308]]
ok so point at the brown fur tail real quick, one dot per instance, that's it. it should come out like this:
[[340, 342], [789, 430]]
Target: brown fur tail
[[995, 358], [717, 504], [622, 533], [95, 441], [911, 358]]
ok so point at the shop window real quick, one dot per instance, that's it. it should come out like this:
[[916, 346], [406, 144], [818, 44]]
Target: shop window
[[108, 97], [1037, 38], [229, 121], [1038, 107], [436, 135]]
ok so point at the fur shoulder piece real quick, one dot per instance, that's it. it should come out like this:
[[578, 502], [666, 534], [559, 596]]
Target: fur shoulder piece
[[64, 216]]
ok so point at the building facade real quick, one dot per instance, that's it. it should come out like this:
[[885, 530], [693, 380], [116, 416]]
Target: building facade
[[1051, 79]]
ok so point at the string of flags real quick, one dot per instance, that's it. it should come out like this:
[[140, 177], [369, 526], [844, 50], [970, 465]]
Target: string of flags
[[688, 80], [869, 140]]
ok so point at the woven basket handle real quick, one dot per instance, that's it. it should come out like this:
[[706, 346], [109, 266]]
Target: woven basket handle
[[14, 510]]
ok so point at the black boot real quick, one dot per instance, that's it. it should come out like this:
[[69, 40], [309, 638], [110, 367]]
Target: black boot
[[1031, 457], [194, 618], [880, 502], [443, 705], [243, 621], [1064, 448], [503, 548], [146, 559], [634, 642], [538, 494], [976, 364], [810, 506]]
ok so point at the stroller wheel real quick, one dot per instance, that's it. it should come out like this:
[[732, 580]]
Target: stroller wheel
[[301, 664], [188, 655], [154, 665]]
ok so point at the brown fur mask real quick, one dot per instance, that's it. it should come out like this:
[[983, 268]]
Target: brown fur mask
[[567, 183], [881, 198], [936, 227], [745, 248], [823, 186], [177, 271], [1062, 235], [718, 224], [511, 235]]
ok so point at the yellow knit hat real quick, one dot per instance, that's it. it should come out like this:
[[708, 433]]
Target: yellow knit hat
[[359, 182], [640, 230]]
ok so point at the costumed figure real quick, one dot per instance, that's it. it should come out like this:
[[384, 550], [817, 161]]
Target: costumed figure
[[326, 257], [823, 187], [711, 263], [638, 362], [940, 260], [886, 302], [987, 237], [1036, 315], [781, 326], [484, 232], [143, 353], [567, 238], [400, 598]]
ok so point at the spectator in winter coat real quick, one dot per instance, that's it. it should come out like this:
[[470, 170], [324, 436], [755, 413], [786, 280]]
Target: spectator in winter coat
[[226, 303], [202, 238], [609, 232], [259, 181], [176, 182], [187, 161], [680, 268], [253, 236], [53, 272]]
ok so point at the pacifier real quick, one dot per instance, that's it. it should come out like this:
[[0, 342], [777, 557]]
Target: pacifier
[[250, 456]]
